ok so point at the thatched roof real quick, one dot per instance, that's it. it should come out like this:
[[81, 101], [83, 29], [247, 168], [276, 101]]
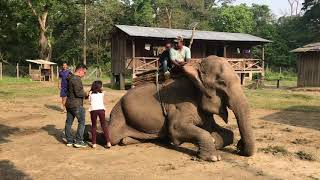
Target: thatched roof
[[165, 33], [313, 47]]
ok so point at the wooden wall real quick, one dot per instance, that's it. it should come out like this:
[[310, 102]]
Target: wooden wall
[[118, 53], [309, 69]]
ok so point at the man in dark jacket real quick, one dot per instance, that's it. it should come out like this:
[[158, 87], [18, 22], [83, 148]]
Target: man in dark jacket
[[74, 106]]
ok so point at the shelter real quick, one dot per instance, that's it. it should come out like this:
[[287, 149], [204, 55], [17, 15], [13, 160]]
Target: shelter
[[135, 49], [308, 64], [43, 72]]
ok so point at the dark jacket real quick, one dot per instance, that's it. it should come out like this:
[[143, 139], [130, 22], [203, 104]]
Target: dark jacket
[[75, 93]]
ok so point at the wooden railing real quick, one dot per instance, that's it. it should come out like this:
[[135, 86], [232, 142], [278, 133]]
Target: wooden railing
[[241, 65], [142, 64], [246, 65]]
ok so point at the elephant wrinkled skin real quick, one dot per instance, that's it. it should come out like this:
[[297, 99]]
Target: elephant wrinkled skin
[[209, 87]]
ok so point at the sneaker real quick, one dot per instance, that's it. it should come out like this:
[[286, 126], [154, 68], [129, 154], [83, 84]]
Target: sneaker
[[167, 75], [80, 145], [69, 144], [108, 145], [94, 145]]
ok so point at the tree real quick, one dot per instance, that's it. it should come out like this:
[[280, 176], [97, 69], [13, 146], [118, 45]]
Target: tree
[[233, 19], [41, 12]]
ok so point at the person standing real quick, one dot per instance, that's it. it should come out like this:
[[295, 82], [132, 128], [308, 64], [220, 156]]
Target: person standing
[[63, 85], [74, 106], [97, 109]]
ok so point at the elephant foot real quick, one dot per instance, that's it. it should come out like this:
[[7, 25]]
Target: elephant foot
[[212, 158]]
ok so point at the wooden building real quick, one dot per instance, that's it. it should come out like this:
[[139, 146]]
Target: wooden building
[[41, 70], [136, 49], [308, 62]]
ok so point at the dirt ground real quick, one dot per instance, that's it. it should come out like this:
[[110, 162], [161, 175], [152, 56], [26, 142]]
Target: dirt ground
[[32, 147]]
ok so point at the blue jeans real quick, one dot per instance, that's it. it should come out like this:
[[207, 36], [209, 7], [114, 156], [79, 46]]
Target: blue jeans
[[72, 113], [165, 65]]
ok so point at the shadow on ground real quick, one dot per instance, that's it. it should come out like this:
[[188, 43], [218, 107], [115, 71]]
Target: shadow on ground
[[8, 171], [5, 132], [53, 107], [53, 131], [300, 116]]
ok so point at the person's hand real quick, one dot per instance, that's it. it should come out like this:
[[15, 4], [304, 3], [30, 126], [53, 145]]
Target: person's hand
[[59, 87], [182, 63]]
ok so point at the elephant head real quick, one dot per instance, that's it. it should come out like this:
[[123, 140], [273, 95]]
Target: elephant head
[[220, 87]]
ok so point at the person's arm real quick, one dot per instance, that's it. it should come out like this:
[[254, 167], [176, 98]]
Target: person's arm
[[172, 58], [78, 89], [188, 54], [59, 82]]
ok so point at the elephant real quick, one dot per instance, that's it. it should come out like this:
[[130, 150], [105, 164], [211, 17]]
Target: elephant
[[182, 110]]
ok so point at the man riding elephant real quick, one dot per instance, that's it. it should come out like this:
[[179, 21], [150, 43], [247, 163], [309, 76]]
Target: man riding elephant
[[189, 102]]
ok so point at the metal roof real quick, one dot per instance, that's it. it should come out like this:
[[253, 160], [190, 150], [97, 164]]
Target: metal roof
[[151, 32], [40, 61], [308, 48]]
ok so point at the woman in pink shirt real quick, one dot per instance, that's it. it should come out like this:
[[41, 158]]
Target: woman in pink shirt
[[96, 109]]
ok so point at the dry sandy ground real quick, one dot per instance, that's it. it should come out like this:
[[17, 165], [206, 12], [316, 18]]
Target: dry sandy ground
[[31, 147]]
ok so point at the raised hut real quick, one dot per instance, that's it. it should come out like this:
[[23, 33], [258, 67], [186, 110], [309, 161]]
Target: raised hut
[[136, 49], [308, 64]]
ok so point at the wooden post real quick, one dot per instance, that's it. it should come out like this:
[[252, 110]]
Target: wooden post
[[40, 73], [113, 79], [225, 51], [133, 59], [30, 69], [0, 70], [122, 81], [57, 72], [262, 62], [52, 74], [17, 70]]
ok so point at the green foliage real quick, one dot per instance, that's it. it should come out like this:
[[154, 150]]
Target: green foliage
[[19, 31], [233, 19], [288, 75]]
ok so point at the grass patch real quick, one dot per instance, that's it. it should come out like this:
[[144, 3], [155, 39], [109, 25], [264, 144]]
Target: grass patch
[[305, 156], [279, 99], [23, 87], [275, 150]]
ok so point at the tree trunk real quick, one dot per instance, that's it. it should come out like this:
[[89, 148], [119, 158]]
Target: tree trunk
[[45, 46], [169, 16]]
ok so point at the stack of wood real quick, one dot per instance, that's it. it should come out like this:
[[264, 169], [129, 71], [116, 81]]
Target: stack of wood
[[147, 76]]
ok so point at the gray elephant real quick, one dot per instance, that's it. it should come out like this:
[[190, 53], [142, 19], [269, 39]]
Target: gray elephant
[[190, 102]]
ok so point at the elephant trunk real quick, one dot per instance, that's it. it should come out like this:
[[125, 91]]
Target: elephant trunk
[[240, 107]]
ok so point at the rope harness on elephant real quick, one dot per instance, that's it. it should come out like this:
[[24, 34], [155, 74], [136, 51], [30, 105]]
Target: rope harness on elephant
[[164, 110]]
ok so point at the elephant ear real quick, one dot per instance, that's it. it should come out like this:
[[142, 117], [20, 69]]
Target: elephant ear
[[193, 73]]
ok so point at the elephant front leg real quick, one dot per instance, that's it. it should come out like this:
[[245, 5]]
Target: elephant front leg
[[190, 133]]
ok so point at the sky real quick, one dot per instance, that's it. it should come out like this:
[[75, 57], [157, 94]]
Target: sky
[[278, 7]]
